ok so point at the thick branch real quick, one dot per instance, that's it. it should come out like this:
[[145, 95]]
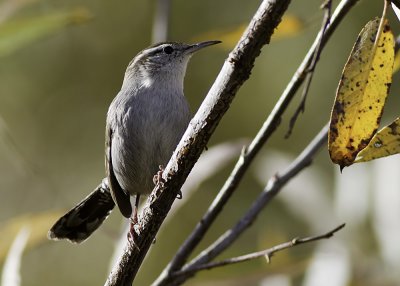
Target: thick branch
[[235, 71], [261, 138]]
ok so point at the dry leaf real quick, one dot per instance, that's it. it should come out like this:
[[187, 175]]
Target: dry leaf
[[362, 93], [385, 143]]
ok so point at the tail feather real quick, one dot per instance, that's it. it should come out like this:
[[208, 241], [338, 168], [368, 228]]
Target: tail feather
[[82, 220]]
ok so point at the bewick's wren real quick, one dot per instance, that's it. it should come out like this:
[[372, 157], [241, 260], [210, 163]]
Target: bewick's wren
[[145, 122]]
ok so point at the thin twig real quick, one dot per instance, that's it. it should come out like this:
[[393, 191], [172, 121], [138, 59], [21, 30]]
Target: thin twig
[[249, 154], [235, 71], [267, 253], [272, 188], [327, 6]]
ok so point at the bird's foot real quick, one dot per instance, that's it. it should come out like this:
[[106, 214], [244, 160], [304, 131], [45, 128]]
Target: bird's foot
[[158, 179], [132, 234]]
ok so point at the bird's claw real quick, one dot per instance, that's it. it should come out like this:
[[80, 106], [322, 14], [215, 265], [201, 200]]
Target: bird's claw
[[132, 234], [158, 179]]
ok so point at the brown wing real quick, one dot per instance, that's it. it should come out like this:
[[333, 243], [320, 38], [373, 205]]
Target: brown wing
[[120, 197]]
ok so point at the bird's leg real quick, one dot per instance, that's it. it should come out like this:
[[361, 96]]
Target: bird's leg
[[132, 235], [136, 209]]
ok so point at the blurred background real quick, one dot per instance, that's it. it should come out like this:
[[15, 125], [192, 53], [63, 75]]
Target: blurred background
[[62, 63]]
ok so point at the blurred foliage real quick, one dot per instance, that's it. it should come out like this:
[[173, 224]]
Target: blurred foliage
[[38, 225], [289, 27], [17, 34]]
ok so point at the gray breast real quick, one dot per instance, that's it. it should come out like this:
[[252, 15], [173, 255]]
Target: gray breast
[[146, 130]]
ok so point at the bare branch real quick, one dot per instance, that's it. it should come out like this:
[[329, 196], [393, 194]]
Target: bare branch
[[272, 188], [327, 6], [268, 253], [235, 71], [261, 138]]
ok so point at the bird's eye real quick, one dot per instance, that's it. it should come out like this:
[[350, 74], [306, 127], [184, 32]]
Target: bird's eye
[[168, 50]]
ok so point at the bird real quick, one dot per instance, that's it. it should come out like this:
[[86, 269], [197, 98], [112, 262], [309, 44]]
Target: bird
[[144, 124]]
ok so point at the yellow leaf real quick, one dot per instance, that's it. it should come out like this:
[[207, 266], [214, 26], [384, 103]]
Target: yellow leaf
[[362, 93], [290, 26], [385, 143]]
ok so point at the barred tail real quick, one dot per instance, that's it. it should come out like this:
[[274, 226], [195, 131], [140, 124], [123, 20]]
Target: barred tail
[[82, 220]]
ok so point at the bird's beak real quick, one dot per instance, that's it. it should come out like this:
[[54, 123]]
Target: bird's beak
[[195, 47]]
